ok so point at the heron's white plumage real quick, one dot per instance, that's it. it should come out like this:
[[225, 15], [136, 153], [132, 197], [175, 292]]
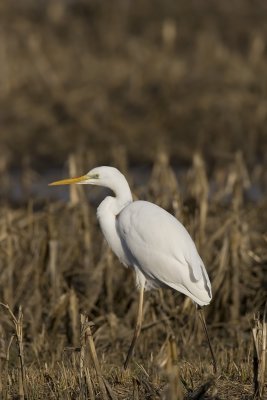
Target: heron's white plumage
[[159, 245], [151, 240]]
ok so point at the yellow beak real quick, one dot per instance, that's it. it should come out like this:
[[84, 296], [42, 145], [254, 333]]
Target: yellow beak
[[70, 181]]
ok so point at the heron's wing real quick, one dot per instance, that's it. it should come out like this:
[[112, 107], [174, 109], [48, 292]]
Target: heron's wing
[[161, 248], [145, 227]]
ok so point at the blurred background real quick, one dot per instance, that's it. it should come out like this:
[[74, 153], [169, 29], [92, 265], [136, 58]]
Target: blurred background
[[91, 75], [174, 94]]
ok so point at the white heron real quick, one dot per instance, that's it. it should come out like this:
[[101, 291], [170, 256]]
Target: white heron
[[153, 242]]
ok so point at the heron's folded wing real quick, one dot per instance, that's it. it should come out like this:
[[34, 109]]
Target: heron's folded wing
[[145, 226]]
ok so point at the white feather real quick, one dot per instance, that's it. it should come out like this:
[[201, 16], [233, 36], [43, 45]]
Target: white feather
[[160, 246], [150, 240]]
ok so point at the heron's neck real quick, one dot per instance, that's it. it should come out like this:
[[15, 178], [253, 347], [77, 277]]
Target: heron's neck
[[107, 212], [123, 195], [114, 205]]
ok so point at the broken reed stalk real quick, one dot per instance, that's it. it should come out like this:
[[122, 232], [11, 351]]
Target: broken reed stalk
[[82, 356], [18, 324], [259, 333], [10, 270], [89, 383], [74, 317], [85, 377], [90, 342], [203, 201], [77, 196], [200, 190], [175, 390], [163, 184], [19, 337], [53, 257], [235, 244], [75, 190], [87, 234], [87, 339], [240, 182], [53, 253]]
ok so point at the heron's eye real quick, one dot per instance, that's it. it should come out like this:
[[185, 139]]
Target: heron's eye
[[94, 176]]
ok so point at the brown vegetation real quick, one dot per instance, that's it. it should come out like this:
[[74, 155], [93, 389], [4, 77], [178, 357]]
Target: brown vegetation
[[55, 264]]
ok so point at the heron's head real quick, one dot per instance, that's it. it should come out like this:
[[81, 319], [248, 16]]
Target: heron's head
[[100, 176]]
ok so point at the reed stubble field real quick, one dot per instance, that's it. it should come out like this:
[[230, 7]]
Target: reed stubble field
[[175, 97]]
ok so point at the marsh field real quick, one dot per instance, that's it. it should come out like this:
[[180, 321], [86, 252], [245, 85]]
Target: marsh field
[[173, 93]]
